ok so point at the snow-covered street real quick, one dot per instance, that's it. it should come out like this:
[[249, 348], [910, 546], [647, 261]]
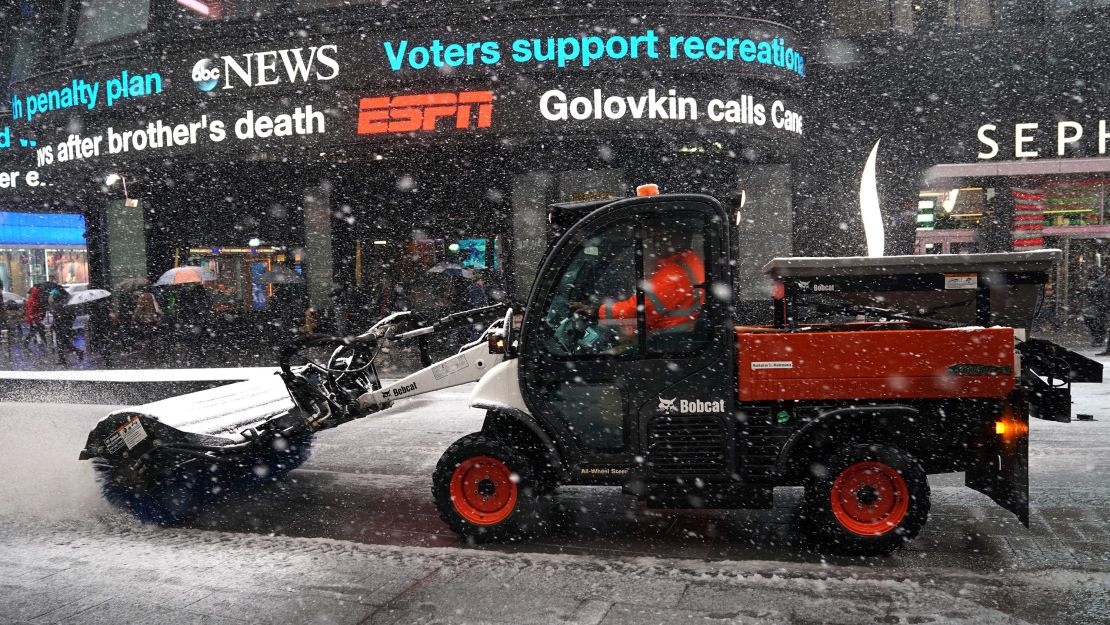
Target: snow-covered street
[[353, 537]]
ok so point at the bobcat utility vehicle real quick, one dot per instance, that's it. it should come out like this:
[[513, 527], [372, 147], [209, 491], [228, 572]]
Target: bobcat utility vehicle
[[873, 374]]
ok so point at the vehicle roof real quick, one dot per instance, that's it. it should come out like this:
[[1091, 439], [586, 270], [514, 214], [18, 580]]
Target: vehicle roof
[[810, 267], [567, 213]]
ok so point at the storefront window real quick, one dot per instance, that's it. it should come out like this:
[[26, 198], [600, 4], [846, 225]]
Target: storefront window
[[1065, 212], [35, 248], [1067, 203], [1074, 203], [958, 208], [100, 21]]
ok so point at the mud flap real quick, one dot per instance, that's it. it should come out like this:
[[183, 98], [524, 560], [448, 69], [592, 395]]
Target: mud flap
[[999, 463]]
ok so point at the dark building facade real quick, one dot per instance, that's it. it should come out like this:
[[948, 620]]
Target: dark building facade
[[364, 144]]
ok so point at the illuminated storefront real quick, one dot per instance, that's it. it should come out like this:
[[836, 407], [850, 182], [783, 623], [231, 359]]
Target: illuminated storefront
[[1073, 218], [40, 247]]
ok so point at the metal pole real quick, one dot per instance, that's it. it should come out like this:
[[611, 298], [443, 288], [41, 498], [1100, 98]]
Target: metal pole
[[1063, 279]]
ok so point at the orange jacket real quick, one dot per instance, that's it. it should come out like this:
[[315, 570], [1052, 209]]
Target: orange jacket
[[672, 302]]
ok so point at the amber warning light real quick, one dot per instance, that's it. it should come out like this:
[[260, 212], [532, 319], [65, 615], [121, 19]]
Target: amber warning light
[[1010, 428], [647, 189]]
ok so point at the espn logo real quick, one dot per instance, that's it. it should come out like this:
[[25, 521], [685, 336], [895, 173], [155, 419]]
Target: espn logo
[[411, 113]]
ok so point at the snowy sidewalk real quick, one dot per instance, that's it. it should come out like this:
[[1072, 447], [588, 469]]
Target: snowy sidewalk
[[141, 574]]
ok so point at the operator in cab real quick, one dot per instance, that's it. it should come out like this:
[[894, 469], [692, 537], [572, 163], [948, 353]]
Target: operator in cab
[[673, 301], [673, 294], [650, 269]]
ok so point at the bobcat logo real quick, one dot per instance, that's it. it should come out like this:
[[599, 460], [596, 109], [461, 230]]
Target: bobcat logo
[[690, 406], [803, 285]]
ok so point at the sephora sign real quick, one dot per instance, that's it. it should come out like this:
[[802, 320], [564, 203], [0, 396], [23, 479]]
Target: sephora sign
[[1036, 140]]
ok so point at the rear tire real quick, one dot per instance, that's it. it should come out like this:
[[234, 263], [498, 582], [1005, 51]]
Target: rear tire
[[485, 490], [871, 500]]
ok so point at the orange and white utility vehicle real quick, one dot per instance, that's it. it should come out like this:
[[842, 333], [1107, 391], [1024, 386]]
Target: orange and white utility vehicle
[[872, 374]]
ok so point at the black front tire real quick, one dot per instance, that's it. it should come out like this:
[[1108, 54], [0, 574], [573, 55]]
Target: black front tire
[[869, 500], [486, 490]]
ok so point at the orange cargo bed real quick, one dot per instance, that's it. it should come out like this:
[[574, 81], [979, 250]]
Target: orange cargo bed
[[775, 365]]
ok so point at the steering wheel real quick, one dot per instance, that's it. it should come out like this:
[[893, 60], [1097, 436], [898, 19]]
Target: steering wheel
[[571, 330], [557, 311]]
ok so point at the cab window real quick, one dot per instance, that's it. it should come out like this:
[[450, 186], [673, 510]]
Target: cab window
[[627, 278], [674, 284], [600, 275]]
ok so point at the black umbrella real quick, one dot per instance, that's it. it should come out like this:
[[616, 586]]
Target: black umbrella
[[46, 287]]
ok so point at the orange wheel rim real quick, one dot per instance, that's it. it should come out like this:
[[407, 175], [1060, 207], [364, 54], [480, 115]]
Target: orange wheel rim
[[870, 498], [483, 490]]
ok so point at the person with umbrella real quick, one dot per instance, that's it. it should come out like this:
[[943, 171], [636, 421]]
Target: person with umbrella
[[185, 275], [64, 318], [289, 302], [191, 319], [91, 305]]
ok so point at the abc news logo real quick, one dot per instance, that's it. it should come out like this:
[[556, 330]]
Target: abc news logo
[[267, 68], [413, 113]]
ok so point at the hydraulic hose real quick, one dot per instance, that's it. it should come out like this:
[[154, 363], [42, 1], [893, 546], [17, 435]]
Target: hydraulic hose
[[320, 340]]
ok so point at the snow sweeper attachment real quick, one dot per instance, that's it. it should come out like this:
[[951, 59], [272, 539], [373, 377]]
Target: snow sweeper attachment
[[165, 459]]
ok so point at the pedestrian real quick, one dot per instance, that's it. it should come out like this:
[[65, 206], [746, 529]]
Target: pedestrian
[[4, 315], [1047, 319], [34, 311], [1094, 306], [144, 320], [477, 297], [287, 307], [145, 311], [191, 311], [1102, 304], [64, 318]]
